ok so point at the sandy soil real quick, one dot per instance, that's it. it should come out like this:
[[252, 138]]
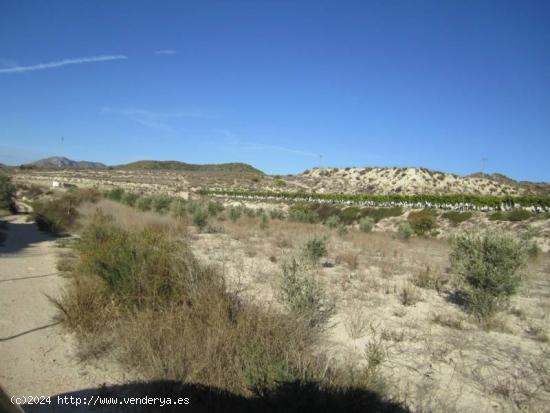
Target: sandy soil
[[37, 357]]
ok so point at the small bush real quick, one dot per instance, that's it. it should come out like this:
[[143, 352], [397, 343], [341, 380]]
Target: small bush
[[144, 203], [377, 214], [115, 194], [356, 323], [130, 198], [429, 279], [514, 215], [200, 218], [519, 215], [161, 203], [303, 297], [457, 217], [7, 193], [214, 208], [235, 213], [423, 221], [349, 215], [333, 221], [249, 212], [366, 224], [409, 295], [178, 208], [59, 215], [302, 213], [404, 231], [487, 268], [315, 248], [264, 221], [276, 214]]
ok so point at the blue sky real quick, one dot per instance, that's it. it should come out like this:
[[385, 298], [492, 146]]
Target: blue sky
[[440, 84]]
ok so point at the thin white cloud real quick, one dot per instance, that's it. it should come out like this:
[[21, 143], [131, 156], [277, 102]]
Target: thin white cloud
[[156, 120], [166, 52], [64, 62], [257, 146]]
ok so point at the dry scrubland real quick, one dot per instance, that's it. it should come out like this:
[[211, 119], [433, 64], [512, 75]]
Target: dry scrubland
[[246, 297], [406, 181]]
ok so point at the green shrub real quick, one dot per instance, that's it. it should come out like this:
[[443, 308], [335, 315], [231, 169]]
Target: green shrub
[[423, 221], [487, 267], [514, 215], [349, 215], [303, 297], [315, 248], [263, 371], [404, 231], [249, 212], [333, 221], [59, 215], [161, 203], [519, 215], [115, 194], [457, 217], [214, 208], [302, 213], [192, 207], [200, 218], [144, 203], [264, 221], [125, 260], [366, 224], [7, 193], [377, 214], [235, 213], [178, 208], [276, 214], [130, 198]]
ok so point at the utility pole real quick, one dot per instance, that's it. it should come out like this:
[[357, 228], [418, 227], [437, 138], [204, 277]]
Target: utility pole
[[483, 162]]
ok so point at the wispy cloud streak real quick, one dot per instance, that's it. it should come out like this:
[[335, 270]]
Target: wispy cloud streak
[[64, 62], [166, 52], [257, 146], [156, 120]]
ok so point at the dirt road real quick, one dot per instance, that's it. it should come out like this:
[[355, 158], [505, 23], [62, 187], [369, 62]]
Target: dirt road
[[37, 357]]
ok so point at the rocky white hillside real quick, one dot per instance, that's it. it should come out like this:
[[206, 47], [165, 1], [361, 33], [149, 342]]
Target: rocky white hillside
[[405, 181]]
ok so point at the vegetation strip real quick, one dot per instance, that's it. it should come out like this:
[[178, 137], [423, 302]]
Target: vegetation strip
[[467, 201]]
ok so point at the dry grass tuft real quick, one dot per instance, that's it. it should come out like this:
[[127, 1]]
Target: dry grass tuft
[[409, 295]]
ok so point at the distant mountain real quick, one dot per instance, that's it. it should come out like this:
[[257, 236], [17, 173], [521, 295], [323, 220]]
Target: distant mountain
[[188, 167], [62, 162]]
